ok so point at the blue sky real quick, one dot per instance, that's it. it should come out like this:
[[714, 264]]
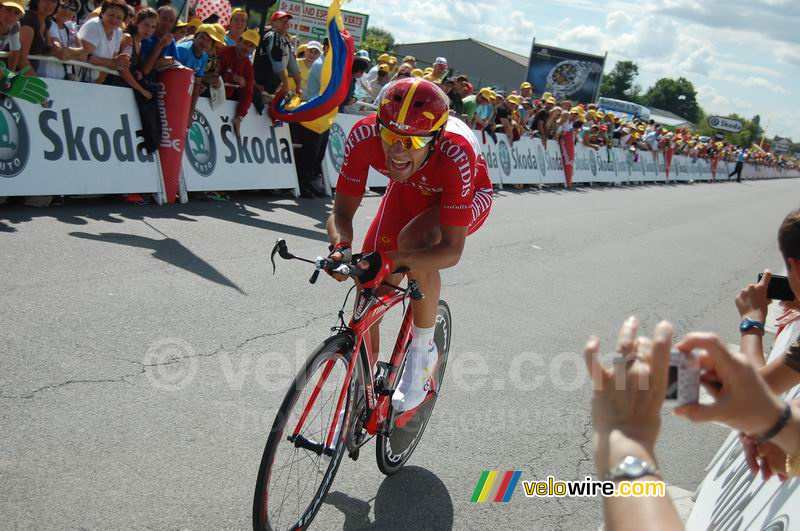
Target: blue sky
[[742, 56]]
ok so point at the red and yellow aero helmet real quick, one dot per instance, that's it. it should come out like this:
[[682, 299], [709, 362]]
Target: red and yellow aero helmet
[[413, 106]]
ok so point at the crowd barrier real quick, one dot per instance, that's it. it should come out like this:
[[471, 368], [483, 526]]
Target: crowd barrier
[[528, 161], [731, 497], [87, 140]]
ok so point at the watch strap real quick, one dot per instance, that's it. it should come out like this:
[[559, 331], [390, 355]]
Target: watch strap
[[749, 324]]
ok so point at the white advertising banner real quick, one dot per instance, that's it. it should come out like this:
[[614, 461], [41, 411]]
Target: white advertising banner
[[312, 23], [334, 155], [216, 159], [86, 141]]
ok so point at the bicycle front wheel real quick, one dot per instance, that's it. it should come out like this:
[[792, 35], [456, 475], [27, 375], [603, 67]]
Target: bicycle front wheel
[[295, 472], [393, 451]]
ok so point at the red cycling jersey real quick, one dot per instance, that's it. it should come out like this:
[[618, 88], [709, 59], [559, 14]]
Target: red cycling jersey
[[455, 177]]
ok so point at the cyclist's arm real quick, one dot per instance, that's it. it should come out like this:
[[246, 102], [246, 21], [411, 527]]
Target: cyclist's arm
[[340, 224], [442, 255]]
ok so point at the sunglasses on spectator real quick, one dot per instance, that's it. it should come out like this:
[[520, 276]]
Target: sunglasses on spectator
[[407, 141]]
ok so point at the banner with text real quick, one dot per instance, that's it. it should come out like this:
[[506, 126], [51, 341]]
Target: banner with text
[[312, 25], [87, 141], [216, 159]]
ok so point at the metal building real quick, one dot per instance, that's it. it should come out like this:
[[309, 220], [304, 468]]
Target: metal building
[[484, 64]]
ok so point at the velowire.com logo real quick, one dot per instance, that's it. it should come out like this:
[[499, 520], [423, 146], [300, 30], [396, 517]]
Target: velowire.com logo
[[14, 140], [494, 486], [202, 152]]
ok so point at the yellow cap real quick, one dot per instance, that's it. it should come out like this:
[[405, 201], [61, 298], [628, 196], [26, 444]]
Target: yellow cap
[[211, 31], [547, 95], [428, 70], [526, 85], [384, 57], [238, 11], [195, 22], [514, 99], [417, 72], [302, 48], [383, 68], [252, 37], [550, 99], [486, 92], [15, 4], [392, 61]]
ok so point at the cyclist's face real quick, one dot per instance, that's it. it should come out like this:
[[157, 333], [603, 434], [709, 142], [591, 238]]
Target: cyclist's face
[[402, 163]]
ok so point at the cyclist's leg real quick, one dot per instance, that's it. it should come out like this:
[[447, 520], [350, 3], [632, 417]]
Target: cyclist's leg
[[392, 215]]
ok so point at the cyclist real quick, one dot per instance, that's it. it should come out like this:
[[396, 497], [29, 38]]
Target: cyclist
[[439, 192]]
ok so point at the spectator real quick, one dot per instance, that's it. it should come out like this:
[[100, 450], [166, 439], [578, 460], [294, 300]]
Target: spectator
[[100, 39], [180, 31], [10, 13], [131, 46], [360, 66], [372, 75], [392, 65], [475, 108], [34, 32], [439, 71], [314, 83], [456, 95], [159, 50], [404, 70], [626, 419], [236, 26], [313, 52], [212, 79], [63, 31], [591, 139], [411, 60], [526, 90], [539, 124], [237, 73], [276, 60], [194, 54], [505, 118], [382, 79]]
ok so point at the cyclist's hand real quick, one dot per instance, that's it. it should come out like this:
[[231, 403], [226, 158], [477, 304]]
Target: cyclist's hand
[[376, 266], [341, 252]]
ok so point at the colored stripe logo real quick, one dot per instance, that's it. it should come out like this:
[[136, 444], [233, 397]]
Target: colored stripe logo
[[495, 486]]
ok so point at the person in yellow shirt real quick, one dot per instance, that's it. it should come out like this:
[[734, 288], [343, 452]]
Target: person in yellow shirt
[[313, 50], [439, 71]]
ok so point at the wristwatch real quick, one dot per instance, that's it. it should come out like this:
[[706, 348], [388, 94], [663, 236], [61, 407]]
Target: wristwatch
[[632, 468], [749, 324]]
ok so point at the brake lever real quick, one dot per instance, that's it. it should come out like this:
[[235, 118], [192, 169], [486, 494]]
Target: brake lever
[[283, 251]]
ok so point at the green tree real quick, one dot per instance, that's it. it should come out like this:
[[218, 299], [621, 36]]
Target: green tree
[[676, 96], [379, 39], [619, 83]]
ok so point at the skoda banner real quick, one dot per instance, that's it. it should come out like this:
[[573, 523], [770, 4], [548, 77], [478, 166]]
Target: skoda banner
[[86, 141], [216, 159]]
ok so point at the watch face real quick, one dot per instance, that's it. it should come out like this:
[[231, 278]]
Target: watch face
[[565, 73]]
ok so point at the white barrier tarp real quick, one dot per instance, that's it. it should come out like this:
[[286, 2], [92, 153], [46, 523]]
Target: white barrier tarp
[[85, 142], [215, 159]]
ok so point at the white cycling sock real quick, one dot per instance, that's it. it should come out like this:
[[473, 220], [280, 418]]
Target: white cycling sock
[[421, 337]]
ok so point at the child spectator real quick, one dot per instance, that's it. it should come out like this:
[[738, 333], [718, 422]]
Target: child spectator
[[159, 50]]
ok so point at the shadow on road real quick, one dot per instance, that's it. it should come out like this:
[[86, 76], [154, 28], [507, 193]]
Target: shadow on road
[[167, 250], [245, 208], [414, 498]]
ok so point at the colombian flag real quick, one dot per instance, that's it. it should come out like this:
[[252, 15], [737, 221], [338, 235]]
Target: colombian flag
[[496, 486], [319, 113]]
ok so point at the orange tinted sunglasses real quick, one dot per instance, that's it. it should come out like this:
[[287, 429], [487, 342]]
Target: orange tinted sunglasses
[[407, 141]]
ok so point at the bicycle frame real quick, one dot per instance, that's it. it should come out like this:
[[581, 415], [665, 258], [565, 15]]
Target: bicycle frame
[[369, 308]]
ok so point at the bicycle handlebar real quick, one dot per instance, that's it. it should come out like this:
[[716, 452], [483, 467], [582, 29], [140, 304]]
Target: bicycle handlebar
[[343, 268]]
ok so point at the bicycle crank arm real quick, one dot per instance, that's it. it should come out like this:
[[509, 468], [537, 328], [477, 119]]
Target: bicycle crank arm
[[307, 444]]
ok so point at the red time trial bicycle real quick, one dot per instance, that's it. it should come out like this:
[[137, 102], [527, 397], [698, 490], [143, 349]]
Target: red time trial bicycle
[[340, 399]]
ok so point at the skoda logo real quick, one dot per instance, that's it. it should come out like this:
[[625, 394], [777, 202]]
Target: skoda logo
[[713, 122], [542, 160], [336, 142], [593, 162], [14, 144], [201, 146], [505, 157]]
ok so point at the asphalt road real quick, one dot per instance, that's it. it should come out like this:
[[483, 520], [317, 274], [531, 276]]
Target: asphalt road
[[145, 351]]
